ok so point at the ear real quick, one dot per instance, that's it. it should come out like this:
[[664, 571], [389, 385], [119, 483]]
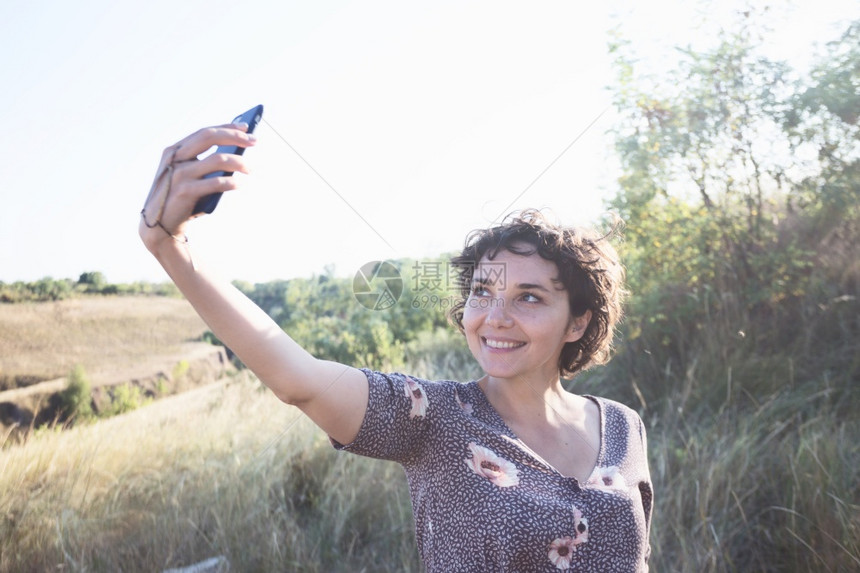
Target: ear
[[577, 327]]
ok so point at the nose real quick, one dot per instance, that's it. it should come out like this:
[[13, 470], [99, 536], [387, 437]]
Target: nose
[[497, 314]]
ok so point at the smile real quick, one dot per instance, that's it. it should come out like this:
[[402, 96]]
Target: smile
[[502, 344]]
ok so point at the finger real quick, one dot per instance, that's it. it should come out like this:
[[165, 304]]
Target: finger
[[228, 162], [204, 139], [185, 195], [202, 187], [189, 191]]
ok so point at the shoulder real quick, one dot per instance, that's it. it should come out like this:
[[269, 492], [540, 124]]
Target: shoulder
[[624, 444], [403, 415], [421, 393], [621, 421], [401, 379], [617, 410]]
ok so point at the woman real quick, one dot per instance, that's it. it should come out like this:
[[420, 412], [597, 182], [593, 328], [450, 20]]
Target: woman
[[506, 473]]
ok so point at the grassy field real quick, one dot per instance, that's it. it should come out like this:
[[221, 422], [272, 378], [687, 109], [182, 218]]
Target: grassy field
[[229, 471], [224, 470], [767, 482], [113, 338]]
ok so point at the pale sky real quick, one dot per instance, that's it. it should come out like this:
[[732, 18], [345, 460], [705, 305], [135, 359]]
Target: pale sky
[[425, 121]]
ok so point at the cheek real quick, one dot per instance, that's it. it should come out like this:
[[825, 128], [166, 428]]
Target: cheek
[[472, 319]]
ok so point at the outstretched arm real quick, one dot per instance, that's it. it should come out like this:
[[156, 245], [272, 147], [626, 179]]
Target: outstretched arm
[[333, 395]]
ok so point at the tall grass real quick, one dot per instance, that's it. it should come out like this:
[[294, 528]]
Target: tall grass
[[762, 491], [753, 437], [225, 471], [754, 455], [766, 485]]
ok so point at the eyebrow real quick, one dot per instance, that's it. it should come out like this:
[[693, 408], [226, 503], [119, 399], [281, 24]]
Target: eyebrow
[[531, 286], [521, 286]]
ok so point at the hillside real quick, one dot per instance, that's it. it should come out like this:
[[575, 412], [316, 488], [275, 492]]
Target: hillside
[[149, 342]]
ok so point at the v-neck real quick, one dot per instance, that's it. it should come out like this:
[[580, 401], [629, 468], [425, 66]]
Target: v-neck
[[517, 441]]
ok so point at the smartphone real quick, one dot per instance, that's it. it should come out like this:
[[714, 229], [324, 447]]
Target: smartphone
[[252, 117]]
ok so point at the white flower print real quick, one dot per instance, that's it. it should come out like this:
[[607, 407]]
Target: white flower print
[[487, 464], [465, 406], [420, 402], [608, 478], [561, 552], [561, 549]]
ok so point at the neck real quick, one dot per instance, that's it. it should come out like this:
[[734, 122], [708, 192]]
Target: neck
[[521, 394]]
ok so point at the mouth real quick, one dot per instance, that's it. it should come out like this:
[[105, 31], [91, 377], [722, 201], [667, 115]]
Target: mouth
[[498, 344]]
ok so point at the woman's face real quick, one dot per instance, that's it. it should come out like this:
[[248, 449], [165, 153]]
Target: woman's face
[[517, 318]]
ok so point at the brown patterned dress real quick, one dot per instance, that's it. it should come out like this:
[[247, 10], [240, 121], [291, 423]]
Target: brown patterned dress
[[483, 502]]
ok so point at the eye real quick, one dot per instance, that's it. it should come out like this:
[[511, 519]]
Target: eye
[[529, 297], [479, 289]]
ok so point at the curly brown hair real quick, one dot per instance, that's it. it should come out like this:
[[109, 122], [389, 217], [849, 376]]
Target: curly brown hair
[[588, 268]]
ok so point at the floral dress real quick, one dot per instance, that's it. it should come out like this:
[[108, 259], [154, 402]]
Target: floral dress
[[483, 501]]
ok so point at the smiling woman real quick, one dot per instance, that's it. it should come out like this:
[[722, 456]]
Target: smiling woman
[[576, 263], [506, 473], [511, 472]]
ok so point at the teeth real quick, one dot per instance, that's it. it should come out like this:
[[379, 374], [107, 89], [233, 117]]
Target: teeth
[[501, 344]]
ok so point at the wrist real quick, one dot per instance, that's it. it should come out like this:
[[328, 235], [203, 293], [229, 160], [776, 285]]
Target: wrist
[[159, 241]]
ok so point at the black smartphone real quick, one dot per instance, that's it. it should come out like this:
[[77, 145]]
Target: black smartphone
[[252, 117]]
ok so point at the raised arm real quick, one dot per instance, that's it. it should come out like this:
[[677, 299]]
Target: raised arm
[[333, 395]]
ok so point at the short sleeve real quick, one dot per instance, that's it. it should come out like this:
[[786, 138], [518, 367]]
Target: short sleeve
[[396, 419], [646, 490]]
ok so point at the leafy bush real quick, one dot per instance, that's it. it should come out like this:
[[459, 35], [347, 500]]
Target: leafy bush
[[76, 401], [124, 398], [46, 289]]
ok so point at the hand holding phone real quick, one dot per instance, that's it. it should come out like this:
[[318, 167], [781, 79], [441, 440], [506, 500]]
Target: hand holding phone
[[251, 117]]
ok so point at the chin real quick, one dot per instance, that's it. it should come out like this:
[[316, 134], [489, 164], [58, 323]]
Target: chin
[[500, 373]]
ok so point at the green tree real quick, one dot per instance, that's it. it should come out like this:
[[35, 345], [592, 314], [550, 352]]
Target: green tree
[[92, 280], [323, 315], [48, 289], [821, 120], [717, 236]]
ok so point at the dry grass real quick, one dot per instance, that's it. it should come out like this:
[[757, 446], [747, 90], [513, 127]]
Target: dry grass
[[222, 470], [769, 484], [113, 338], [761, 492], [228, 470]]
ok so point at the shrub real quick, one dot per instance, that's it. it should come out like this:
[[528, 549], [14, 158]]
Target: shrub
[[76, 402], [125, 398]]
